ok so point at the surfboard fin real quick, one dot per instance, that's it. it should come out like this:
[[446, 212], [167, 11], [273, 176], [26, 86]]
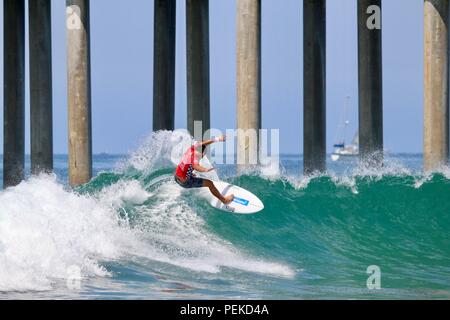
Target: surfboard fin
[[230, 208]]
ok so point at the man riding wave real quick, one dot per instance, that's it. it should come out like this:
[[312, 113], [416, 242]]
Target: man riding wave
[[190, 161]]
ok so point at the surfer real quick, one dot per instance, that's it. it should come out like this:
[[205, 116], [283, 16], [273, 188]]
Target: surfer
[[185, 177]]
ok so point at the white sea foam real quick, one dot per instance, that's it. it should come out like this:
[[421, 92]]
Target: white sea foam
[[46, 230], [160, 149], [130, 192], [348, 179]]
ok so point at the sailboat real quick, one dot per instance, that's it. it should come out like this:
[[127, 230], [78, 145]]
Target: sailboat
[[341, 149]]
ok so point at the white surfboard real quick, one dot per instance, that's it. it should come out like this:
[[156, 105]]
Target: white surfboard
[[244, 201]]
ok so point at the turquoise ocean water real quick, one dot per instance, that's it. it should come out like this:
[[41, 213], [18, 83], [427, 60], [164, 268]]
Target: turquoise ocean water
[[133, 233]]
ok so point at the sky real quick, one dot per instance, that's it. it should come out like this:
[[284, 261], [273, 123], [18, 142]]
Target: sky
[[122, 71]]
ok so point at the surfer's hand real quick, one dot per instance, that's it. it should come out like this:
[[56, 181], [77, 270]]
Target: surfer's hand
[[221, 139]]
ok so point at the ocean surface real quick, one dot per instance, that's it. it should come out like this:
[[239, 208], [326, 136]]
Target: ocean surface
[[132, 233]]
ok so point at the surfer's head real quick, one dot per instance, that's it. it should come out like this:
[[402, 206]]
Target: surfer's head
[[203, 150]]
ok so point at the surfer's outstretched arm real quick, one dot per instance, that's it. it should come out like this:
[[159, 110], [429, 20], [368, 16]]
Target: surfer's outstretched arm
[[211, 141]]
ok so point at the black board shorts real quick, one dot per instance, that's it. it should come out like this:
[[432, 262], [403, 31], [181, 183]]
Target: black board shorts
[[192, 182]]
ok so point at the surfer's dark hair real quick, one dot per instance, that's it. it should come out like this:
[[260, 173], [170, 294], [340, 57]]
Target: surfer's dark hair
[[203, 149]]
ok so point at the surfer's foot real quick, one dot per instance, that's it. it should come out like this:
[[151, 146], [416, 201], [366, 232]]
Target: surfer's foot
[[228, 199]]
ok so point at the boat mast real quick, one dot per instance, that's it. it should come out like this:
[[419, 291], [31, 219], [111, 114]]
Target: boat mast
[[343, 123]]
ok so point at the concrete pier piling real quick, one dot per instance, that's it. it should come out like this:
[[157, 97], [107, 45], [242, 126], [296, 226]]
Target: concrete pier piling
[[164, 65], [41, 85], [248, 81], [14, 92], [314, 79], [79, 91], [370, 81], [436, 105], [197, 46]]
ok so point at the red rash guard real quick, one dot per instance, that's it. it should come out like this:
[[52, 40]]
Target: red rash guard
[[184, 169]]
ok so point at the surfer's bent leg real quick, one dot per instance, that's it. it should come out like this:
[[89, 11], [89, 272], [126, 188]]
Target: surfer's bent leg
[[209, 184]]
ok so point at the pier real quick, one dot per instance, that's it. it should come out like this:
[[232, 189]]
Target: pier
[[14, 92], [164, 65], [314, 84], [197, 57], [248, 56], [436, 120], [370, 81], [41, 105], [79, 91], [248, 79]]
